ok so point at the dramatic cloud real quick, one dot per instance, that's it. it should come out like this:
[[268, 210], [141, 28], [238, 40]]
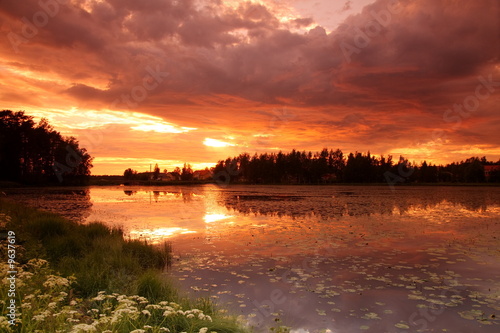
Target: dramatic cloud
[[159, 78]]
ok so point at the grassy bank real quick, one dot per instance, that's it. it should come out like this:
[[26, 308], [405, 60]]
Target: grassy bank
[[88, 278]]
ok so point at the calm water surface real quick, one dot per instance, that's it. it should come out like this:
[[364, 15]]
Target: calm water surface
[[318, 258]]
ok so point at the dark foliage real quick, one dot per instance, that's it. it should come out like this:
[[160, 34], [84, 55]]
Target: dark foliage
[[34, 153], [331, 166]]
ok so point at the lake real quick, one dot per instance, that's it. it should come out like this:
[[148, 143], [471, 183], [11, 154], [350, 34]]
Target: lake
[[317, 258]]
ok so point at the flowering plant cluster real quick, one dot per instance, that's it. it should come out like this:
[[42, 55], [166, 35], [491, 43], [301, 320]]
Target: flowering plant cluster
[[48, 304]]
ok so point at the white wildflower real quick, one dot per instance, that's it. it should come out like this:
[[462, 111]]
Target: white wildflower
[[142, 300], [153, 306], [39, 318], [26, 306], [4, 323], [25, 275], [56, 281], [146, 313], [37, 263], [203, 330], [83, 328], [119, 313]]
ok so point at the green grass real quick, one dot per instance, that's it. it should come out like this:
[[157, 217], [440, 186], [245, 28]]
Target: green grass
[[100, 280], [97, 255]]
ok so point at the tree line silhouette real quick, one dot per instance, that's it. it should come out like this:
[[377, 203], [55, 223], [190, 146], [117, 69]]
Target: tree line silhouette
[[332, 166], [34, 153]]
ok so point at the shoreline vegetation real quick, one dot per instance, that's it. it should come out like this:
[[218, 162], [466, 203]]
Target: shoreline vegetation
[[70, 277], [114, 181]]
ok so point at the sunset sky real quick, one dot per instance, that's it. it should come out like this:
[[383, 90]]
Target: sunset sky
[[174, 81]]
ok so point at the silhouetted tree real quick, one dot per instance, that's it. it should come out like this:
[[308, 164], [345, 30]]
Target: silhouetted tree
[[187, 172], [130, 174], [474, 170], [36, 153], [156, 172]]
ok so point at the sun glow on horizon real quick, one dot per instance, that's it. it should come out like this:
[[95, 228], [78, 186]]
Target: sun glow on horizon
[[162, 128], [117, 165]]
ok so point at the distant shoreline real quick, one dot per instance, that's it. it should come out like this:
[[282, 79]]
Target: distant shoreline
[[181, 183], [116, 182]]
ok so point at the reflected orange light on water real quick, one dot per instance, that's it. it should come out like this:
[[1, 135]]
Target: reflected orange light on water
[[158, 235], [209, 218]]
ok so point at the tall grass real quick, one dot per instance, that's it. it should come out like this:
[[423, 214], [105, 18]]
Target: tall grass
[[97, 255], [100, 261]]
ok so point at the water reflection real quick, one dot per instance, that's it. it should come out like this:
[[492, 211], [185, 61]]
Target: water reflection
[[359, 201], [159, 234], [217, 211], [209, 218], [185, 195], [73, 203]]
